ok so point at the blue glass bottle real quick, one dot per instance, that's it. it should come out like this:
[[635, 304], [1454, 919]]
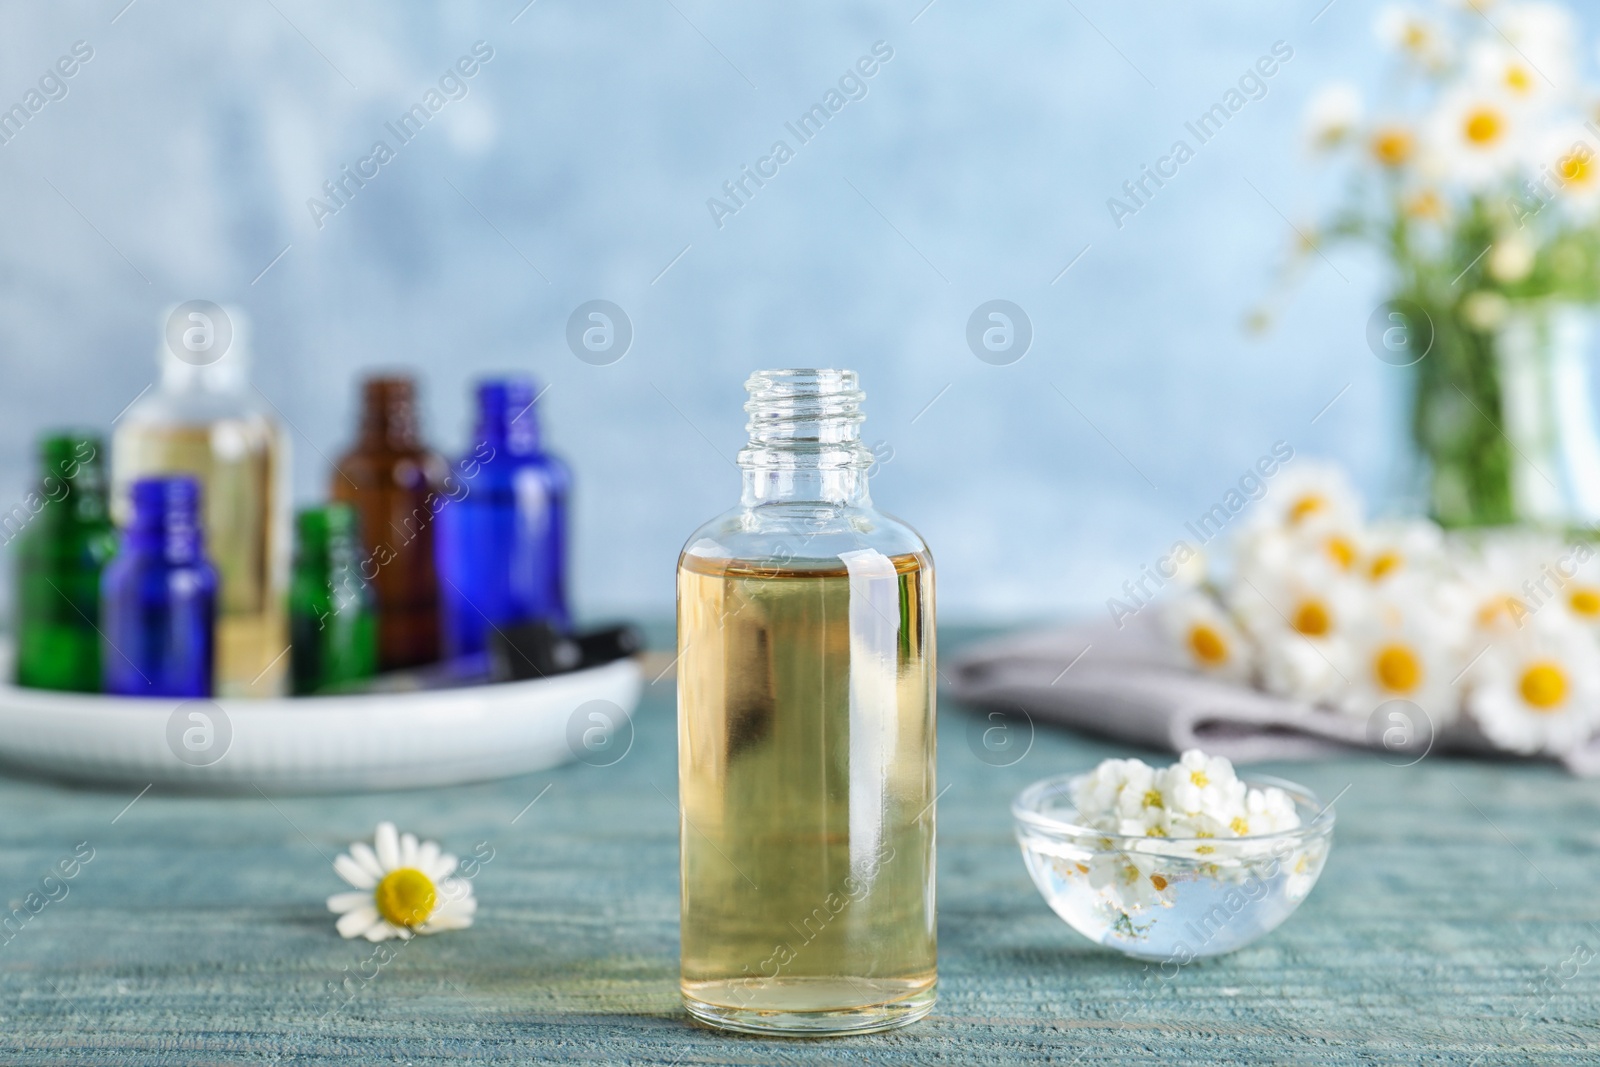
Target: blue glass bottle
[[502, 545], [158, 597]]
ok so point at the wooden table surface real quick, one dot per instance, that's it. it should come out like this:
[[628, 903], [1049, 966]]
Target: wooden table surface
[[1458, 921]]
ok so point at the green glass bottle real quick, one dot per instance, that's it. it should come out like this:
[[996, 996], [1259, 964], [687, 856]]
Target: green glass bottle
[[333, 629], [64, 536]]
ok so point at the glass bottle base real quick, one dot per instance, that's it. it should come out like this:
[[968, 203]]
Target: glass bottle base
[[810, 1007]]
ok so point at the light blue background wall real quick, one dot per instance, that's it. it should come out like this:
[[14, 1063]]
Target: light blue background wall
[[977, 167]]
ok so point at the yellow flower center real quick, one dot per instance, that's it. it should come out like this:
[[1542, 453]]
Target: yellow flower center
[[1416, 36], [1312, 619], [1307, 505], [1576, 167], [1495, 607], [1207, 645], [1382, 564], [1544, 686], [1342, 551], [1152, 799], [1239, 826], [1392, 147], [1518, 80], [1155, 831], [1398, 669], [1483, 127], [1199, 779], [1585, 601], [406, 897], [1425, 205], [1159, 882]]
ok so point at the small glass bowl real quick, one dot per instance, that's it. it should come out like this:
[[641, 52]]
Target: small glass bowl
[[1169, 899]]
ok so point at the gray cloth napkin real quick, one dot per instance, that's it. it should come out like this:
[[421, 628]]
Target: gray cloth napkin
[[1128, 684]]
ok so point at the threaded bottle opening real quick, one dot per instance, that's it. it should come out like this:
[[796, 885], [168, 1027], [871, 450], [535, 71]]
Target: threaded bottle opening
[[804, 417]]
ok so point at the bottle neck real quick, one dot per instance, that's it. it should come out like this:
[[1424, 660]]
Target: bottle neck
[[508, 421], [389, 417], [805, 446], [166, 521]]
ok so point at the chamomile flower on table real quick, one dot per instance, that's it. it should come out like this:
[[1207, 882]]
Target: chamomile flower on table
[[1406, 646], [402, 887], [1206, 638], [1537, 690], [1308, 493], [1390, 550]]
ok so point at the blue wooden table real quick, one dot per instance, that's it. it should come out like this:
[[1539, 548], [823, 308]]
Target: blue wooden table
[[1458, 921]]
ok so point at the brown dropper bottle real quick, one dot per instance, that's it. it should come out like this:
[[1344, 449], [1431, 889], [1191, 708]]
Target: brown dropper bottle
[[396, 486]]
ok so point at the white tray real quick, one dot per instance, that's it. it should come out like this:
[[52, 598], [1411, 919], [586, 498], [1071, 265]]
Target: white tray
[[322, 744]]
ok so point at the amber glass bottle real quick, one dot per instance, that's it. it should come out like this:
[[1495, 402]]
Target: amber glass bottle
[[397, 487]]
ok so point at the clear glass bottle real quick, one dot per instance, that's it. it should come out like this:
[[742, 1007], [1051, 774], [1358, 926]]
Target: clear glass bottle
[[503, 546], [333, 628], [203, 419], [806, 734], [158, 597], [61, 551]]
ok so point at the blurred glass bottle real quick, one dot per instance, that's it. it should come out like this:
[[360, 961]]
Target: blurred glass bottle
[[393, 481], [64, 541], [202, 419], [333, 633], [503, 545], [806, 734], [158, 597]]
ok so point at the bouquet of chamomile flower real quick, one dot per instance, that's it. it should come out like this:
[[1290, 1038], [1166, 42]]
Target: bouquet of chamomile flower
[[1475, 169], [1496, 635]]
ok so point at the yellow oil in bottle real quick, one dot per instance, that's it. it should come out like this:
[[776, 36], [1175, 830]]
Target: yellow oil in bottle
[[806, 777], [238, 463]]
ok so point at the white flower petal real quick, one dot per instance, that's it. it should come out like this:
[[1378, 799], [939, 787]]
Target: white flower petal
[[387, 842], [443, 867], [408, 850], [439, 923], [340, 903], [427, 856], [353, 872], [357, 923], [362, 853], [382, 930]]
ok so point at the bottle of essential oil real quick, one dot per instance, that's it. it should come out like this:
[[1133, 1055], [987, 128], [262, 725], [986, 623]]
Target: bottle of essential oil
[[503, 546], [64, 540], [333, 631], [158, 597], [806, 734], [203, 419], [397, 487]]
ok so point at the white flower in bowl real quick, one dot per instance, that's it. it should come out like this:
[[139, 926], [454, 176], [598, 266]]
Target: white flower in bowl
[[403, 887]]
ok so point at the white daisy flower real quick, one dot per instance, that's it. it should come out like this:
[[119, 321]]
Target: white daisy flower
[[1473, 139], [1538, 690], [1507, 73], [1571, 157], [402, 888], [1333, 116], [1413, 34], [1400, 548], [1310, 494], [1206, 638], [1405, 647], [1580, 593], [1494, 589]]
